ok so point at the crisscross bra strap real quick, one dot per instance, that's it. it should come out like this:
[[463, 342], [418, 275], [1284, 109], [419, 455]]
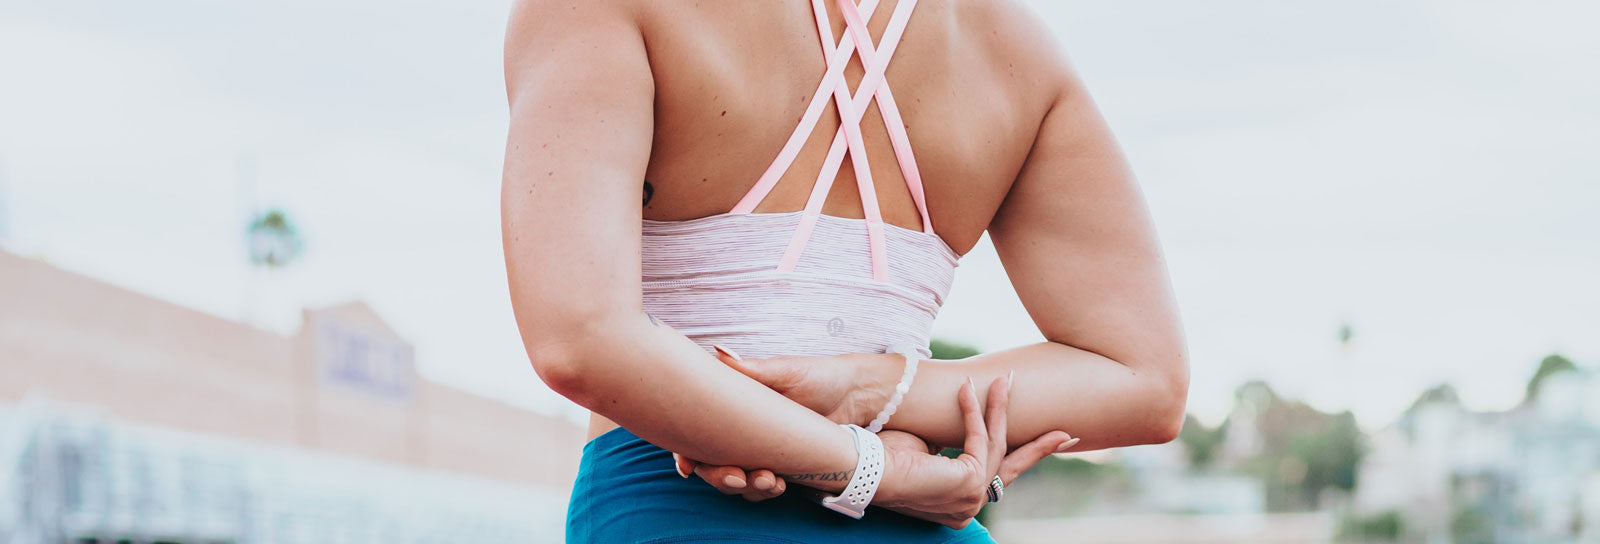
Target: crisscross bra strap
[[851, 108]]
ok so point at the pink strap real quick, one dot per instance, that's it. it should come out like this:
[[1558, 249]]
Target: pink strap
[[890, 111], [837, 59], [851, 109]]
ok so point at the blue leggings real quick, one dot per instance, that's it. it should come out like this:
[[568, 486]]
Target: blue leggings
[[628, 491]]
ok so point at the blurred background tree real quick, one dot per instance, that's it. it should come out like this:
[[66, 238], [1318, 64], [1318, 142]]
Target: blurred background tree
[[1385, 526], [274, 240], [1304, 452], [273, 243], [1551, 365], [947, 350], [1200, 441]]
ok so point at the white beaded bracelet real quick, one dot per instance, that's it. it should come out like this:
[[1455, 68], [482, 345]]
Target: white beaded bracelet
[[912, 357]]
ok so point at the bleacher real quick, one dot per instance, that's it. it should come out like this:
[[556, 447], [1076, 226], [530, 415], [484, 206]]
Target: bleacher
[[78, 475]]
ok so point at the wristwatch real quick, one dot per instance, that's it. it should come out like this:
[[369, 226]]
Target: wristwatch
[[864, 482]]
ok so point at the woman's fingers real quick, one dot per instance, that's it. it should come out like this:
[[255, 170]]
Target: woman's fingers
[[977, 441], [757, 485], [685, 465], [775, 376], [999, 400], [763, 479], [728, 357], [729, 480], [1027, 455], [763, 485]]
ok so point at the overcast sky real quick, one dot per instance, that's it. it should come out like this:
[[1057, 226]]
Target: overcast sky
[[1423, 170]]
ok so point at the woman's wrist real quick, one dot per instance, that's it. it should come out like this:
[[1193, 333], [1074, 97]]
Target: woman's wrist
[[876, 376], [831, 481], [865, 478], [910, 360]]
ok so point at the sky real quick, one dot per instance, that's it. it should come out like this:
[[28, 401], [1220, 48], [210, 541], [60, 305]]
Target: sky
[[1422, 170]]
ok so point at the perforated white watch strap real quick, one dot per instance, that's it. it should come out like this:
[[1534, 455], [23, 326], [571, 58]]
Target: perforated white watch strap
[[864, 482]]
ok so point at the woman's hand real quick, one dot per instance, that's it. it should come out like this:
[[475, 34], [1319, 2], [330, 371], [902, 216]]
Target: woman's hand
[[845, 388], [952, 491], [936, 488], [754, 486]]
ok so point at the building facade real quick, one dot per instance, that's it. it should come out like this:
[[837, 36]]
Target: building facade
[[124, 417]]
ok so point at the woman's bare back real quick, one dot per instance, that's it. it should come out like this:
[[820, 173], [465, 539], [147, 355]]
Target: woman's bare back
[[697, 99], [732, 78]]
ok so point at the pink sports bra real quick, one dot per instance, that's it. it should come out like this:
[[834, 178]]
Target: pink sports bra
[[793, 283]]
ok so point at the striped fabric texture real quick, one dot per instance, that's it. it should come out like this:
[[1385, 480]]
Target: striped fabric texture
[[715, 280]]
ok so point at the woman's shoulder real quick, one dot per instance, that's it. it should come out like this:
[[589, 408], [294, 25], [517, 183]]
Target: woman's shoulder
[[1010, 31]]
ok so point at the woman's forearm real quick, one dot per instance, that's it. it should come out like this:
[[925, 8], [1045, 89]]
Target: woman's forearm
[[1104, 402], [647, 377]]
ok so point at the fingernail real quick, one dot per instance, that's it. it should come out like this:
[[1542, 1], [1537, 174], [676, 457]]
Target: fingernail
[[969, 384], [763, 483], [733, 481], [1011, 379], [679, 468], [728, 352], [1066, 446]]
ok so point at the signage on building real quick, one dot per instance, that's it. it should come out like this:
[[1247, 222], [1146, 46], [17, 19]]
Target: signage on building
[[362, 359]]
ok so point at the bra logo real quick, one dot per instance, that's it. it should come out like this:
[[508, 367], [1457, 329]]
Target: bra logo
[[835, 327]]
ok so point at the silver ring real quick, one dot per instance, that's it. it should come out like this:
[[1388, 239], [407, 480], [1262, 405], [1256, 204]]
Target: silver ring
[[997, 489]]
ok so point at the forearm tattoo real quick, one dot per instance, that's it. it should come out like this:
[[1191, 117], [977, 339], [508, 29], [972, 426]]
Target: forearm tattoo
[[840, 476], [649, 191]]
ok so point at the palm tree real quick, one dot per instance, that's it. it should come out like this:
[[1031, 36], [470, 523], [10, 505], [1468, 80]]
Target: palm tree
[[274, 241]]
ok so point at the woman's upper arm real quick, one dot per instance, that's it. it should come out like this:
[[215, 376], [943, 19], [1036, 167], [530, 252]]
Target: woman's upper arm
[[581, 92], [1077, 241]]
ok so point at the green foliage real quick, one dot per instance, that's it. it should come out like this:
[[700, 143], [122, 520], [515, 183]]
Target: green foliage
[[1551, 365], [274, 241], [1330, 456], [1200, 441], [1073, 467], [1303, 451], [1469, 525], [947, 350], [1386, 526], [1061, 486], [1442, 393]]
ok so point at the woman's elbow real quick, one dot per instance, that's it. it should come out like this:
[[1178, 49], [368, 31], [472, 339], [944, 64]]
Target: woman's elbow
[[559, 356], [561, 373], [1169, 402], [1166, 428]]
